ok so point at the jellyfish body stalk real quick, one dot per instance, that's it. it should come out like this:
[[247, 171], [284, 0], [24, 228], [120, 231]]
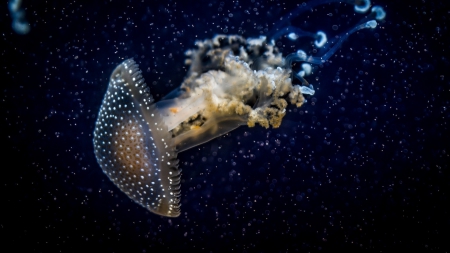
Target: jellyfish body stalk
[[232, 81]]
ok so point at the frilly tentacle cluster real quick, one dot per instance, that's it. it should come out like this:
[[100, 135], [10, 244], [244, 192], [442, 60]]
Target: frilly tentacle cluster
[[237, 76]]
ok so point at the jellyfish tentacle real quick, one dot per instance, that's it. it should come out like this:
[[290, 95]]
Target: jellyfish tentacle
[[306, 69], [301, 56], [294, 33], [321, 39], [369, 24], [301, 78], [307, 90], [378, 12], [361, 6]]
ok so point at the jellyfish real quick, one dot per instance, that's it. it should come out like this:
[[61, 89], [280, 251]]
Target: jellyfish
[[232, 81]]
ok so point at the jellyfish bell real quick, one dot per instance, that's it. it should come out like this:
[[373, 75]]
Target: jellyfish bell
[[133, 146], [232, 81]]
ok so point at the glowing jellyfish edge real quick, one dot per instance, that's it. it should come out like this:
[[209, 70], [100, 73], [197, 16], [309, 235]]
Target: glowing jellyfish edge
[[232, 81]]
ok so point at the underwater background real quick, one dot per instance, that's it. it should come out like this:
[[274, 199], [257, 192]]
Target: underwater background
[[362, 166]]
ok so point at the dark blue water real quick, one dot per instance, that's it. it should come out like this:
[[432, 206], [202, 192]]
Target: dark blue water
[[363, 166]]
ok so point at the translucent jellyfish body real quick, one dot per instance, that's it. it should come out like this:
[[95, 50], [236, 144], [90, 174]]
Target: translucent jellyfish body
[[232, 81]]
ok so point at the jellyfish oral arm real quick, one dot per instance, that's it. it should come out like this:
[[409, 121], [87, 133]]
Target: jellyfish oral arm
[[223, 99]]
